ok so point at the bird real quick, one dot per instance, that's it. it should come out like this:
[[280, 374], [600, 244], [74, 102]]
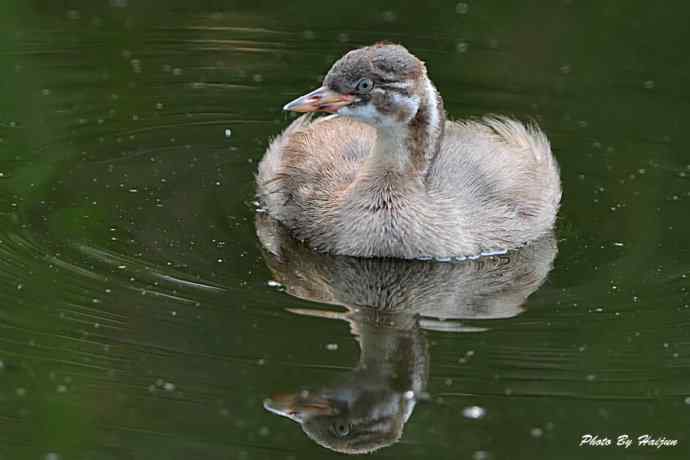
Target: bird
[[386, 174]]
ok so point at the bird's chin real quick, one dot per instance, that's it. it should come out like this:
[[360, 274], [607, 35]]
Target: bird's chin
[[364, 113]]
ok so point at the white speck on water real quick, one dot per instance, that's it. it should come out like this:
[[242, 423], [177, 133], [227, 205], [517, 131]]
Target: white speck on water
[[21, 392], [462, 8], [389, 16], [261, 362], [649, 84], [20, 286], [273, 283], [448, 382], [258, 78], [219, 260], [177, 71], [461, 47], [2, 365], [687, 400], [332, 346], [46, 92], [173, 313], [169, 386], [591, 377], [536, 432], [481, 455], [228, 132], [61, 388], [469, 353], [136, 65], [122, 267], [51, 456], [408, 395], [620, 245], [474, 412]]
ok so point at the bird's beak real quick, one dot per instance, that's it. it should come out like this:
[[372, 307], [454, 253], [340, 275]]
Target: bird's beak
[[320, 100], [298, 406]]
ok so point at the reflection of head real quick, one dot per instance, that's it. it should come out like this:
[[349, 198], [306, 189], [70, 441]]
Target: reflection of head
[[366, 408], [372, 419]]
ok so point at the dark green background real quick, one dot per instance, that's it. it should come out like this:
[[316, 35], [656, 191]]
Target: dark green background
[[128, 258]]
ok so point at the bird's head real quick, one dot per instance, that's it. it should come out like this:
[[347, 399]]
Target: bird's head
[[383, 85]]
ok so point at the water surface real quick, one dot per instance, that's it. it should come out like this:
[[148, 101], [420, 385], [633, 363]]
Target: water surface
[[138, 319]]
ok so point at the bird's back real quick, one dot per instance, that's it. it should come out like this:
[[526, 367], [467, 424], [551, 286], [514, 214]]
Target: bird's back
[[499, 176]]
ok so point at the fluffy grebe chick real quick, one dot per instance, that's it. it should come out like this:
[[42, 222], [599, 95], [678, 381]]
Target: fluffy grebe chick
[[389, 176]]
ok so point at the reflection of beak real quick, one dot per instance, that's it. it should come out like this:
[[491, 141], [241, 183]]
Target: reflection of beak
[[298, 406], [320, 100]]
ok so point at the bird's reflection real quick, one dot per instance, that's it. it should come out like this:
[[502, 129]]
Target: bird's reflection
[[388, 303]]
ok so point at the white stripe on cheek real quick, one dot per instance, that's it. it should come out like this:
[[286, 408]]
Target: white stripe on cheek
[[434, 128], [432, 103]]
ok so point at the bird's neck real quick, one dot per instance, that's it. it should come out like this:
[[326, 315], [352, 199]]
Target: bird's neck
[[408, 149], [398, 358]]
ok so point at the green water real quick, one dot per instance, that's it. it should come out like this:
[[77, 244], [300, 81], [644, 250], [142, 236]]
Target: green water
[[137, 320]]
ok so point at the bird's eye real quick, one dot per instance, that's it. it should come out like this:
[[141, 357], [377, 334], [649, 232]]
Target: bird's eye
[[340, 429], [364, 85]]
